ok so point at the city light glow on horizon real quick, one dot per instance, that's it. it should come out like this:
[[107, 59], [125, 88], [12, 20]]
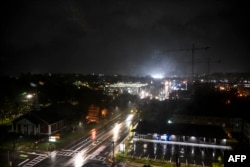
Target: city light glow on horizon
[[157, 76]]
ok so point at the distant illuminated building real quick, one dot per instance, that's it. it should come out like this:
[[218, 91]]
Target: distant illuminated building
[[167, 88], [104, 112], [93, 113], [121, 87]]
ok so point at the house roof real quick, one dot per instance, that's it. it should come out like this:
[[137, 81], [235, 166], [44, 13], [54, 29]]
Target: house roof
[[210, 131], [42, 116], [32, 118], [48, 115]]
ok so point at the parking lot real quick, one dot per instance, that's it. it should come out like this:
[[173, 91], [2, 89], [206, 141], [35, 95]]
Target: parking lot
[[171, 152]]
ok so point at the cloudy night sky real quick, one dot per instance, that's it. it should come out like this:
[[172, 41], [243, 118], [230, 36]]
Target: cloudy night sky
[[128, 37]]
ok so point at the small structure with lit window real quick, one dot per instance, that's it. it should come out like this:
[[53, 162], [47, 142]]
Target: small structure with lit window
[[42, 122]]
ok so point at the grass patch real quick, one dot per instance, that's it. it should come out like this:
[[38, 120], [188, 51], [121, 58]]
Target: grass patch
[[5, 121]]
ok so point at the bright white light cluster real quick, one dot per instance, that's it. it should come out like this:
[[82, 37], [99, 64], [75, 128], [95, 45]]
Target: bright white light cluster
[[157, 76]]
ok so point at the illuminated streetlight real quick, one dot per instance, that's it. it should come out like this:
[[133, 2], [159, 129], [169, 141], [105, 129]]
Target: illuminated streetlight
[[122, 147], [116, 131], [36, 103], [29, 96], [79, 160], [93, 134]]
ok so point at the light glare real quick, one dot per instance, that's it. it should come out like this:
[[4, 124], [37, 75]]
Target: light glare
[[157, 76]]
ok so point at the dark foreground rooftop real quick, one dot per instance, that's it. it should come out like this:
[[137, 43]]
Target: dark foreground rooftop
[[94, 164], [210, 131]]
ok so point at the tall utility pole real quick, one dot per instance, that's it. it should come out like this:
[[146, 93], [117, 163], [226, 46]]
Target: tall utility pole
[[36, 103], [209, 61], [190, 49], [193, 49]]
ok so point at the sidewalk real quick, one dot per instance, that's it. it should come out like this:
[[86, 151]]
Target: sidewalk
[[133, 164]]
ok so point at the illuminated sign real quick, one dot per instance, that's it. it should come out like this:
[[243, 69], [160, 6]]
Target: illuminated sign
[[54, 138]]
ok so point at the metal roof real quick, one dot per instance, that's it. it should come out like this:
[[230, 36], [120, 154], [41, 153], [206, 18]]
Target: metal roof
[[210, 131]]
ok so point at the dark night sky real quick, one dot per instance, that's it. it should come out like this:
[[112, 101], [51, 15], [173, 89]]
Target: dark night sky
[[126, 37]]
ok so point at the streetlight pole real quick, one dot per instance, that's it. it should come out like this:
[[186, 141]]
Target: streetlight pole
[[36, 103], [14, 154], [113, 143]]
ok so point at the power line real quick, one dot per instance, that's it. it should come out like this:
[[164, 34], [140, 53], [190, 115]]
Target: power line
[[192, 59]]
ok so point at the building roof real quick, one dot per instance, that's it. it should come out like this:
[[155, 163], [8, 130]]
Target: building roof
[[29, 116], [210, 131], [41, 116], [94, 164]]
